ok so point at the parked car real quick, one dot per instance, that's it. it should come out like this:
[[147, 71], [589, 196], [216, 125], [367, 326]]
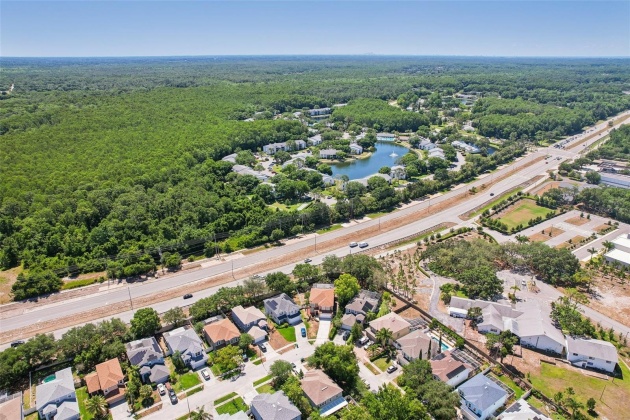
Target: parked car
[[187, 295], [262, 347], [206, 374], [364, 340], [308, 260], [352, 244], [171, 393], [392, 368], [161, 389], [303, 331], [346, 335]]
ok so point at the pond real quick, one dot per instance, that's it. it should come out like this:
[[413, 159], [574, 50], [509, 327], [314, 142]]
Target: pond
[[386, 154]]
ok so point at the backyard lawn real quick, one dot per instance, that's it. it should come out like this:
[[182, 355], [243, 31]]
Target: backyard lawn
[[187, 380], [288, 333], [552, 379], [82, 397], [518, 392], [232, 407], [265, 389], [523, 211]]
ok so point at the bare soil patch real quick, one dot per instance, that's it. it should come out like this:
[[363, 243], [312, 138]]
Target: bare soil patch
[[548, 233], [546, 187], [611, 297], [276, 340], [410, 313], [7, 278], [601, 227], [577, 221]]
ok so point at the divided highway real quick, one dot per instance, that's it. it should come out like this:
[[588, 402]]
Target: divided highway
[[528, 168]]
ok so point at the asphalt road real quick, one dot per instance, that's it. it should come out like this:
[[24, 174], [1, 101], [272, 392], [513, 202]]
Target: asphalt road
[[117, 294]]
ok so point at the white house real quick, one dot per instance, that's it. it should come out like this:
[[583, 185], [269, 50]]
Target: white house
[[315, 140], [590, 353], [621, 253], [481, 397], [188, 344], [398, 172], [327, 154], [356, 149], [449, 370], [436, 152], [385, 137], [56, 398], [319, 111]]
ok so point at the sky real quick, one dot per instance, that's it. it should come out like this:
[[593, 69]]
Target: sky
[[166, 28]]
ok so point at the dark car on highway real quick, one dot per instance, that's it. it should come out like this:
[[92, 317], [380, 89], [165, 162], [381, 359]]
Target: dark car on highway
[[187, 295]]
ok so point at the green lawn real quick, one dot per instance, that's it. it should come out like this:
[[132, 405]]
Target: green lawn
[[518, 392], [615, 393], [523, 211], [262, 380], [377, 215], [224, 398], [187, 380], [82, 397], [492, 203], [232, 407], [372, 368], [329, 229], [265, 389], [382, 363], [288, 333]]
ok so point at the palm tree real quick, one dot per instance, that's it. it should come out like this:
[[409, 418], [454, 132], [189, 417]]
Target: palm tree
[[383, 336], [515, 288], [97, 406], [200, 414], [592, 251], [608, 245]]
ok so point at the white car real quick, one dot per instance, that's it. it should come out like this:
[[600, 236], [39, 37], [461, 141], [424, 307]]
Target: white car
[[161, 389], [363, 245], [206, 374], [352, 244]]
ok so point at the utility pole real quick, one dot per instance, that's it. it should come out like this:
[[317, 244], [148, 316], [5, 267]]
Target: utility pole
[[232, 268], [130, 301]]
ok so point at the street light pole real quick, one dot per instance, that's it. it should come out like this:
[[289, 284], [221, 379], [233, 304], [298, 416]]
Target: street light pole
[[130, 301]]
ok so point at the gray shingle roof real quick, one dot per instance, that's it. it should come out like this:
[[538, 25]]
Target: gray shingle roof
[[281, 304], [68, 410], [142, 352], [186, 341], [481, 391], [61, 386], [275, 407]]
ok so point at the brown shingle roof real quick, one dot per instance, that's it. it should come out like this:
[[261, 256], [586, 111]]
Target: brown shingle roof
[[11, 409], [322, 297], [318, 387], [109, 373], [223, 330], [447, 367], [393, 322]]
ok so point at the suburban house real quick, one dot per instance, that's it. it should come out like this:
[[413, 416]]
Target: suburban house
[[297, 162], [322, 300], [398, 172], [315, 140], [188, 344], [436, 152], [590, 353], [620, 254], [468, 148], [282, 309], [319, 111], [11, 407], [357, 309], [426, 144], [385, 137], [481, 397], [252, 321], [56, 398], [327, 154], [221, 333], [393, 322], [323, 394], [449, 370], [146, 355], [356, 149], [416, 345], [364, 181], [530, 323], [246, 170], [274, 406], [108, 379], [522, 410]]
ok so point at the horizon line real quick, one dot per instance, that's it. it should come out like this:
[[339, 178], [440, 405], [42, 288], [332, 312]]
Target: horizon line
[[366, 55]]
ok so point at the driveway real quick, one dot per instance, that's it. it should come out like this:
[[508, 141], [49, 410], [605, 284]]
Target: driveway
[[119, 411], [298, 334], [322, 332]]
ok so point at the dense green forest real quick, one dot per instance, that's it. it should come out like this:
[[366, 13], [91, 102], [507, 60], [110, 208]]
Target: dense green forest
[[617, 147], [103, 161]]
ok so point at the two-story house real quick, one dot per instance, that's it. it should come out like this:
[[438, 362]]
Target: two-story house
[[282, 309], [108, 379], [56, 398], [221, 333], [252, 321], [147, 355], [356, 149], [449, 370], [385, 137], [322, 300], [590, 353], [398, 172], [393, 322], [188, 344], [328, 154], [322, 393], [357, 309], [481, 397], [416, 345]]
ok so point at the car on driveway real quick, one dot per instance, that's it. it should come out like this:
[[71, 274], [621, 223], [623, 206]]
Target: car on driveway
[[187, 295], [392, 368], [171, 394], [263, 348], [206, 374], [346, 335], [303, 332], [161, 389]]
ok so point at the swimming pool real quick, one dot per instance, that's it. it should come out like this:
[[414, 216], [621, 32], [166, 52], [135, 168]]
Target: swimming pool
[[444, 346]]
